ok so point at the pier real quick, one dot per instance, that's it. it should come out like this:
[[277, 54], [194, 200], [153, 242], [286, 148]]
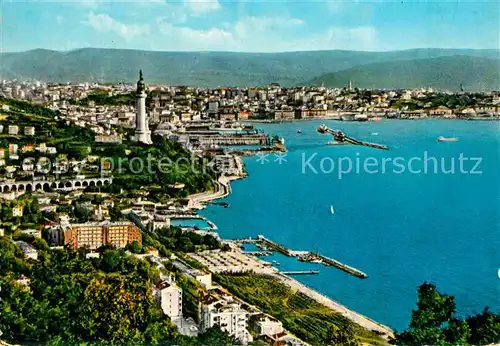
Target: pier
[[307, 256], [269, 244], [313, 257], [301, 272], [258, 253]]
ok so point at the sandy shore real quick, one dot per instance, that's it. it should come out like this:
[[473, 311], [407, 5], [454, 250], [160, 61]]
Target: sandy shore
[[357, 318]]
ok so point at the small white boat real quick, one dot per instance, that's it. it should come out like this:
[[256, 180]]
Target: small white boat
[[374, 133], [299, 131], [332, 210], [449, 139]]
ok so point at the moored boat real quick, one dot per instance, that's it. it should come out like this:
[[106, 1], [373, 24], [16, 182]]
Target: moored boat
[[449, 139]]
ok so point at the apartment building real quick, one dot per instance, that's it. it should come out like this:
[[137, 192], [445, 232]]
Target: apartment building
[[94, 235], [223, 311], [169, 297]]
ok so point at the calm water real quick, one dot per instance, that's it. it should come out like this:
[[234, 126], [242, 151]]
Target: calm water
[[401, 229]]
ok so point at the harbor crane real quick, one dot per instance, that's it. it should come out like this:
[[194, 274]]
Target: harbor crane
[[340, 137]]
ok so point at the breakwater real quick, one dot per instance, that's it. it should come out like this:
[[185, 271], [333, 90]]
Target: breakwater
[[307, 256]]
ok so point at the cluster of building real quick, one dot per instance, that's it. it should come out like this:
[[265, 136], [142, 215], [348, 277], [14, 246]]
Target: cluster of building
[[171, 104], [217, 307]]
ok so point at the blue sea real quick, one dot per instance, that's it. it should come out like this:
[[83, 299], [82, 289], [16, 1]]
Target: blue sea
[[401, 228]]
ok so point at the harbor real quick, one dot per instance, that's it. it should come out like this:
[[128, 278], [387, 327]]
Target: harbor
[[267, 245]]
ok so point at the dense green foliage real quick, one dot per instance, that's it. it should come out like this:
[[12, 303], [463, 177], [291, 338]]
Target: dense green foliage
[[101, 98], [69, 300], [156, 167], [206, 69], [300, 314], [48, 126], [434, 323], [31, 213], [452, 101], [172, 239], [445, 73]]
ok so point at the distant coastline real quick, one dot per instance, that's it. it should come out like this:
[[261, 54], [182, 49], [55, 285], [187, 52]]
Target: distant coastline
[[273, 121]]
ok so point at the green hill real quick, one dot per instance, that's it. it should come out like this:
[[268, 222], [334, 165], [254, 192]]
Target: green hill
[[203, 69], [445, 73]]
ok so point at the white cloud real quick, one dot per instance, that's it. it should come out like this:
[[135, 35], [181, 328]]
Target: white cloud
[[200, 7], [250, 34], [104, 23], [265, 34]]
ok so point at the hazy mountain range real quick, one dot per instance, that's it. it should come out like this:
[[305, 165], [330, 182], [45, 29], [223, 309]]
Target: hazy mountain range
[[439, 68]]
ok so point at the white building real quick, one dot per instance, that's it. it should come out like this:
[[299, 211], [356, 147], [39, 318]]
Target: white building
[[227, 314], [202, 277], [268, 326], [29, 131], [13, 130], [169, 296]]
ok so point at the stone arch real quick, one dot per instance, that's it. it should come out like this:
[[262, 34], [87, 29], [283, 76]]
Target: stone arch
[[78, 184], [38, 186], [46, 187], [29, 187], [85, 183], [99, 183], [5, 188], [14, 188], [68, 184], [53, 185], [92, 183], [20, 187]]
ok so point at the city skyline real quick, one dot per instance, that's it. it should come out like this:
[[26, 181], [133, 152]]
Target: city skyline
[[249, 26]]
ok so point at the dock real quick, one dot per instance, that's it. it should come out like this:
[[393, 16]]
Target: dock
[[307, 256], [334, 263], [258, 253], [301, 272], [271, 245]]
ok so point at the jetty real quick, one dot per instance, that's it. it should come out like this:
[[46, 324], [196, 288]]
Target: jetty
[[258, 253], [301, 272], [313, 257], [307, 256], [271, 245]]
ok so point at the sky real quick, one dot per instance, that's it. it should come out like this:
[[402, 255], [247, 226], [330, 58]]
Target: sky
[[248, 25]]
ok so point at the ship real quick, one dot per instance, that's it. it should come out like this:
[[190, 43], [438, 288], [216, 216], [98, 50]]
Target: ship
[[445, 139]]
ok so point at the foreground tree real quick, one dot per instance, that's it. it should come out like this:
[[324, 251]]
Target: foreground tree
[[433, 323], [344, 336]]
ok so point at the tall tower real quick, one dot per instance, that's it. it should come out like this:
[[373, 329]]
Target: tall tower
[[142, 133]]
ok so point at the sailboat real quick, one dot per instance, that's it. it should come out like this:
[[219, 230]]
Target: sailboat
[[332, 210]]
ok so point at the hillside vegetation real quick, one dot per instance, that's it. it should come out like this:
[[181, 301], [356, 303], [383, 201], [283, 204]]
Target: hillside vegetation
[[474, 73], [203, 69]]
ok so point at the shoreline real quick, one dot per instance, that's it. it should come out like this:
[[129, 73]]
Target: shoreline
[[358, 318], [337, 118]]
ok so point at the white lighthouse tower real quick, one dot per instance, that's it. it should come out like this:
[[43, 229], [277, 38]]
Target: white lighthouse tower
[[142, 133]]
